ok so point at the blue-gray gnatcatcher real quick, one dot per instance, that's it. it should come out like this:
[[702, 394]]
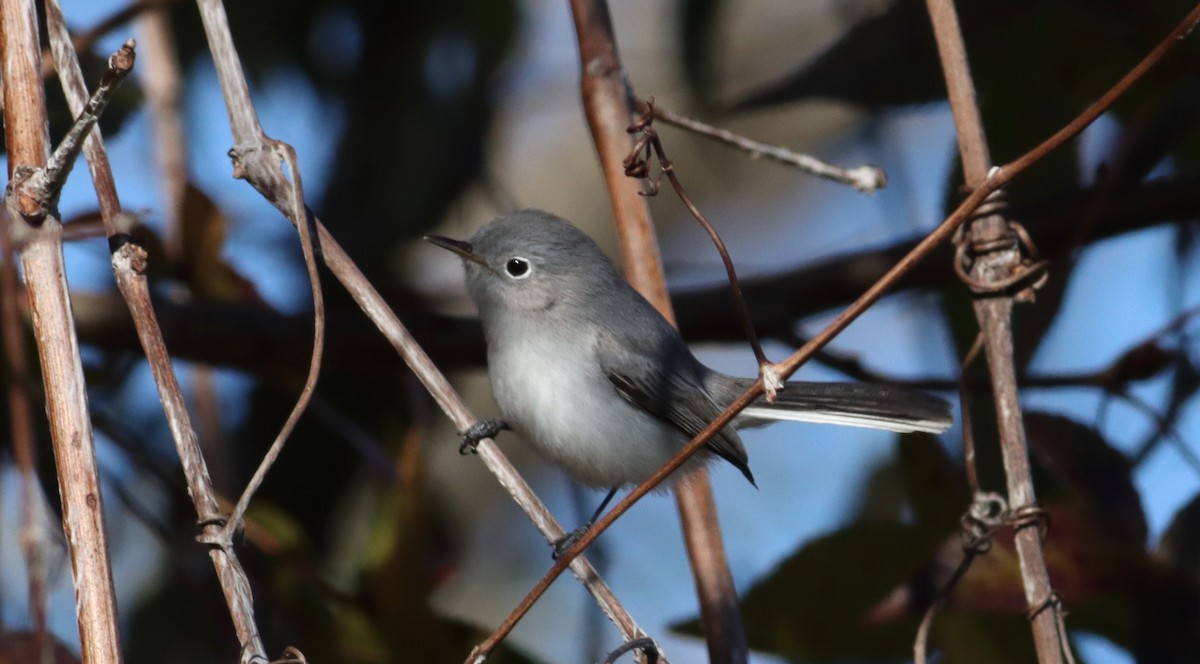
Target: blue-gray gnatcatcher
[[591, 375]]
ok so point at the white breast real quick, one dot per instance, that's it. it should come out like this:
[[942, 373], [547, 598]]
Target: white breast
[[553, 393]]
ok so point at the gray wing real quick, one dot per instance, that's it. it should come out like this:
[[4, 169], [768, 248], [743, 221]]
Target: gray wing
[[661, 377]]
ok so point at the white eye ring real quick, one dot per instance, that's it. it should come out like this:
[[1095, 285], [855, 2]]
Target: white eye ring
[[518, 267]]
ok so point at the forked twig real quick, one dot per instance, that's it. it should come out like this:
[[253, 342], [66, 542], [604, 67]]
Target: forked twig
[[43, 186]]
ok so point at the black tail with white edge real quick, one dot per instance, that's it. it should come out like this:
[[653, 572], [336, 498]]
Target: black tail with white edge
[[867, 405]]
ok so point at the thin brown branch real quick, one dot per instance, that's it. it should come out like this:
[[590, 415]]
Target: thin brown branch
[[162, 83], [979, 524], [38, 239], [608, 105], [995, 320], [87, 111], [972, 143], [47, 182], [997, 178], [867, 179], [250, 164], [305, 227], [129, 265], [991, 267]]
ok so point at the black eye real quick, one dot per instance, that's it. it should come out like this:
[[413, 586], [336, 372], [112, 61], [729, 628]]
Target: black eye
[[517, 268]]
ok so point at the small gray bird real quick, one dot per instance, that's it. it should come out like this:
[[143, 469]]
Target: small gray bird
[[591, 375]]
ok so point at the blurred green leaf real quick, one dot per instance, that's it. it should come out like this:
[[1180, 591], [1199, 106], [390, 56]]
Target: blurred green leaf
[[982, 639], [1089, 475], [816, 604], [936, 486]]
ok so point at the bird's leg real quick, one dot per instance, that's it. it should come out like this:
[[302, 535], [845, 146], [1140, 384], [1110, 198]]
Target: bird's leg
[[480, 430], [567, 541]]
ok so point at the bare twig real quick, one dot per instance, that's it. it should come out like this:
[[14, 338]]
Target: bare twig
[[45, 184], [608, 105], [979, 524], [996, 266], [867, 179], [129, 264], [997, 178], [38, 238], [305, 227], [266, 178], [257, 158]]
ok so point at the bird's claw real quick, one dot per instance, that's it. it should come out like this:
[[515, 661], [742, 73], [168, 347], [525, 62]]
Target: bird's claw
[[567, 541], [478, 431]]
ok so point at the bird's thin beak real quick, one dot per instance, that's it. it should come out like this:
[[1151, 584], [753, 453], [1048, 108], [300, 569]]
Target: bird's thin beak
[[460, 247]]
